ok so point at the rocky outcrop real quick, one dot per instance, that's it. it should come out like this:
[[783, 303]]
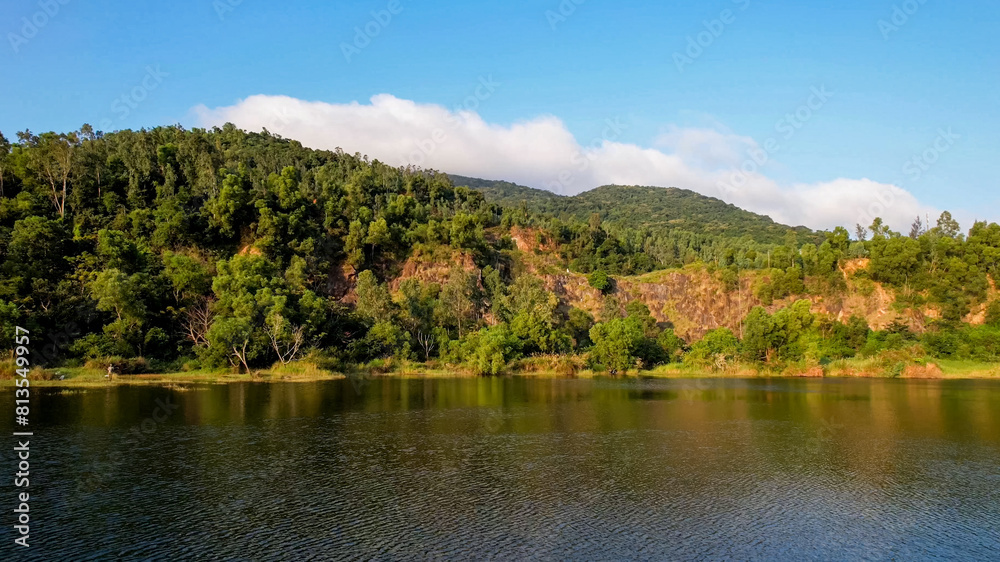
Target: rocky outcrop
[[692, 300]]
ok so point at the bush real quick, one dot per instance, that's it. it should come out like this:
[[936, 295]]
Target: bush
[[120, 366], [383, 340], [717, 349], [192, 365], [993, 314], [8, 370], [616, 343], [325, 360], [942, 344], [490, 349], [600, 281]]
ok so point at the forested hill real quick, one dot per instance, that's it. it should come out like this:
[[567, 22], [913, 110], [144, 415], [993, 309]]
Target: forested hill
[[656, 208], [172, 249]]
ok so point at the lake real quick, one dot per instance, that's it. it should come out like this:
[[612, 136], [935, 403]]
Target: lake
[[515, 468]]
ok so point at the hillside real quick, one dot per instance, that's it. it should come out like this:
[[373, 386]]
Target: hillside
[[173, 249], [656, 208]]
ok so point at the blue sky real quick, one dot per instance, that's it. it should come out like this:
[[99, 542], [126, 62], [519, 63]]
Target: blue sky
[[894, 89]]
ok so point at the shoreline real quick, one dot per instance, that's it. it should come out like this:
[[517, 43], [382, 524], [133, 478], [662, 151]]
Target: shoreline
[[308, 373]]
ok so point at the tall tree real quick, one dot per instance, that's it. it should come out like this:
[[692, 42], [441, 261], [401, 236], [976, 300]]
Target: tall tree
[[917, 228], [457, 296], [4, 157], [52, 157]]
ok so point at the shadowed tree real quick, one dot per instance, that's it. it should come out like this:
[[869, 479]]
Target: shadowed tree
[[4, 158]]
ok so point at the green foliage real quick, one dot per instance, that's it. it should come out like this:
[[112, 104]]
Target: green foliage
[[188, 276], [615, 343], [600, 281], [239, 248], [650, 207], [896, 336], [374, 302], [671, 345], [492, 348], [384, 339], [993, 314], [578, 325], [767, 337], [9, 320], [842, 340], [533, 319], [717, 349]]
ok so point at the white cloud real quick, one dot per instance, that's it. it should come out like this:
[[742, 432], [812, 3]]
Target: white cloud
[[541, 152]]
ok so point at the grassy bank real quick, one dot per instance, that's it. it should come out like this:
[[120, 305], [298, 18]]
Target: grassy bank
[[883, 366]]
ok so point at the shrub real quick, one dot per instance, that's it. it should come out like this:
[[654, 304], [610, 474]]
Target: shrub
[[600, 281], [717, 348], [120, 366]]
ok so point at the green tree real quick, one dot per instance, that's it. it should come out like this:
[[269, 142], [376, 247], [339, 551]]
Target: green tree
[[9, 320], [600, 281], [458, 299], [717, 349], [578, 325], [993, 314], [615, 342], [671, 344], [4, 160], [51, 159], [374, 301], [229, 210], [757, 344], [121, 294], [492, 349], [378, 236], [246, 287], [418, 302], [533, 318]]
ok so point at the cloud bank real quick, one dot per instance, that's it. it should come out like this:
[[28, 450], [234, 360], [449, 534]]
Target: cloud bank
[[541, 152]]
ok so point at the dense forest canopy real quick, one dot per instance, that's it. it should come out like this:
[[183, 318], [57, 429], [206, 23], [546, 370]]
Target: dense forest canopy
[[171, 248], [653, 208]]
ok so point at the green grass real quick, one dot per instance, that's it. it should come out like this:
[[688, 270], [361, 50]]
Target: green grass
[[968, 369], [887, 365]]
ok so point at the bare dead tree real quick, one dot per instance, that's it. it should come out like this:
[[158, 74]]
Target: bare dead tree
[[426, 340], [197, 320], [286, 345], [241, 354]]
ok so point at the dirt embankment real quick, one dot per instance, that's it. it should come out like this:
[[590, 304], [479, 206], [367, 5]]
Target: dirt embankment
[[433, 270], [693, 300]]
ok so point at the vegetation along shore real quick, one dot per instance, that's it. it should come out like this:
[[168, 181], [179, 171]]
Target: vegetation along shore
[[172, 255]]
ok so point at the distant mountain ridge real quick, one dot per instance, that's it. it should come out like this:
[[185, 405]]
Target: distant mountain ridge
[[657, 208]]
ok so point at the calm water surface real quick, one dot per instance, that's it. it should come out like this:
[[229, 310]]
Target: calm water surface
[[515, 469]]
